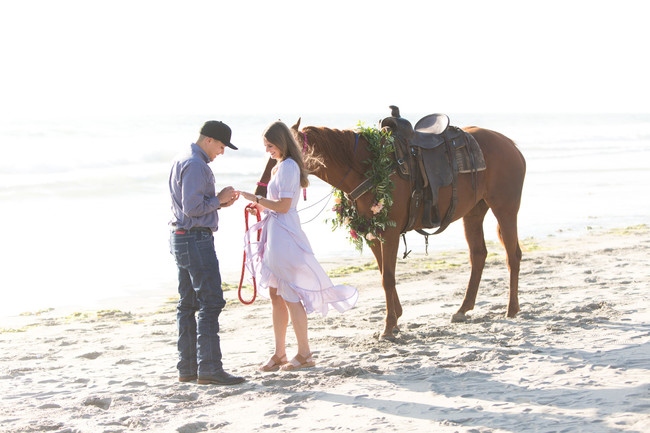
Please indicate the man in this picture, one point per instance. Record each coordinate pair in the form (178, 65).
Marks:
(195, 218)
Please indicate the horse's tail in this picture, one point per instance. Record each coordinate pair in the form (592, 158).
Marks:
(500, 235)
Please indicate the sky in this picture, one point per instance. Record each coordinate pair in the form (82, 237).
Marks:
(78, 58)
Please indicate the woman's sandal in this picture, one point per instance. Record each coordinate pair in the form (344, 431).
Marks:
(274, 363)
(299, 362)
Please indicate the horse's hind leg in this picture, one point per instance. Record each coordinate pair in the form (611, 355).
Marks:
(473, 224)
(507, 229)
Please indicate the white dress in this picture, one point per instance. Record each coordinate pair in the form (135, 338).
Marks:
(283, 257)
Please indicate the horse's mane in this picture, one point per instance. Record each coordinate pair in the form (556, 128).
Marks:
(334, 144)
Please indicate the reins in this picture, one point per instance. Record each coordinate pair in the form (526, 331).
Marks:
(243, 266)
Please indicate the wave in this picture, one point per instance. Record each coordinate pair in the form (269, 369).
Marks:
(135, 154)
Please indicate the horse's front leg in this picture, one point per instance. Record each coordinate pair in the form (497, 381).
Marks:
(388, 254)
(473, 224)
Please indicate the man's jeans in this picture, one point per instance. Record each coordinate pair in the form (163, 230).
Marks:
(199, 286)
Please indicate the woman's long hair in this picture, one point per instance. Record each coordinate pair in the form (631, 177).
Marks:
(280, 135)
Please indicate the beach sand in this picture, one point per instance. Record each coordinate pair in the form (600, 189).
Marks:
(575, 359)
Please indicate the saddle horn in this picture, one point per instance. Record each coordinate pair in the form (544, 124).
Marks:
(396, 123)
(389, 122)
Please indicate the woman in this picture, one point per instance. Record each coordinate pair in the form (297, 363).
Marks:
(282, 261)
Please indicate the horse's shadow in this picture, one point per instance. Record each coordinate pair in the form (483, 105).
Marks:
(444, 394)
(440, 394)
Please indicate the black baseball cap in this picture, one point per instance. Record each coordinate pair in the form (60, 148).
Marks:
(219, 131)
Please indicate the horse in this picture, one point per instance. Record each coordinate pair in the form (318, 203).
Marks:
(336, 157)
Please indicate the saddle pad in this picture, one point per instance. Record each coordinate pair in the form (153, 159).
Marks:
(468, 153)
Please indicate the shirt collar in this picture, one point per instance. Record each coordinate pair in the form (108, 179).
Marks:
(196, 149)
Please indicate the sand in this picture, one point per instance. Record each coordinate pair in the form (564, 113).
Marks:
(576, 358)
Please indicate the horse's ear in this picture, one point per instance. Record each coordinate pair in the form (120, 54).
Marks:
(297, 125)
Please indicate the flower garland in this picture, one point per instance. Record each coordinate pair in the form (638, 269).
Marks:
(380, 146)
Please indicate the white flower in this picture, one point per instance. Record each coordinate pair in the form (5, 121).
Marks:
(377, 207)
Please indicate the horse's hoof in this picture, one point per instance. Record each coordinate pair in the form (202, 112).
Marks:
(387, 335)
(512, 313)
(458, 317)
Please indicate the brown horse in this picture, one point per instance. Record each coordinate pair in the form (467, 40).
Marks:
(498, 187)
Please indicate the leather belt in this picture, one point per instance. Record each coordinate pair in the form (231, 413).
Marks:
(193, 229)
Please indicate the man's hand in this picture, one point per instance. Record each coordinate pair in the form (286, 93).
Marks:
(227, 196)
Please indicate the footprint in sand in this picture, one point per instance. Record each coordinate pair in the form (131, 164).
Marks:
(136, 383)
(125, 361)
(298, 397)
(199, 426)
(285, 412)
(90, 355)
(100, 402)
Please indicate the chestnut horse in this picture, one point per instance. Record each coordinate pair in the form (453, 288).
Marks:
(339, 157)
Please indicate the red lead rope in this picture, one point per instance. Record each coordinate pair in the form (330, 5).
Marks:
(243, 265)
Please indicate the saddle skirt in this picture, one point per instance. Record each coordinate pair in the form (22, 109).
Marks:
(431, 156)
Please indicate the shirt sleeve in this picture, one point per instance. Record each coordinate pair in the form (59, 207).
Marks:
(196, 198)
(288, 179)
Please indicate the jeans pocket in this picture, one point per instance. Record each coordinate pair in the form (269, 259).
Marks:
(181, 253)
(206, 253)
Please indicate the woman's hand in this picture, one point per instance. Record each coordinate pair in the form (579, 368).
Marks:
(255, 208)
(283, 205)
(252, 209)
(248, 196)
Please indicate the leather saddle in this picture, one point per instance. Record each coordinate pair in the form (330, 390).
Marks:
(429, 131)
(431, 156)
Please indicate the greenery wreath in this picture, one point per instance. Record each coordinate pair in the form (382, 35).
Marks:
(380, 167)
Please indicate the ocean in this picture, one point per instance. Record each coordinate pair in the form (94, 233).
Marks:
(85, 202)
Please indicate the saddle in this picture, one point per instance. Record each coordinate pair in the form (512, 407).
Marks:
(431, 156)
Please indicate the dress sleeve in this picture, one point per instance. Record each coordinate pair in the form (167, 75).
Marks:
(288, 179)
